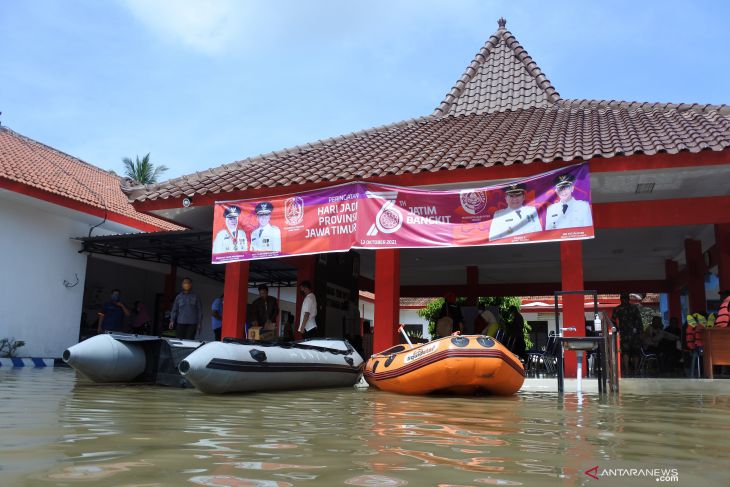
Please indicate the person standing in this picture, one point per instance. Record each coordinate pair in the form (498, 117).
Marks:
(265, 311)
(187, 312)
(630, 327)
(307, 323)
(568, 212)
(112, 314)
(516, 333)
(216, 320)
(517, 218)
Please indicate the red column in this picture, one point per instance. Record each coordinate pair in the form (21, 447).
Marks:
(306, 265)
(696, 276)
(722, 242)
(387, 298)
(571, 271)
(472, 283)
(671, 271)
(235, 300)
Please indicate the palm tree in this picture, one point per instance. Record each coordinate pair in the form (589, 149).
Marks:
(142, 171)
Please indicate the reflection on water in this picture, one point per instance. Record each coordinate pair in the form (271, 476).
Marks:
(60, 430)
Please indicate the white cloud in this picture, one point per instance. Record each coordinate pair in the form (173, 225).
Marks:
(207, 26)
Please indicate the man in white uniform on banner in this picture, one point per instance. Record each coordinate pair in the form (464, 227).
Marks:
(266, 237)
(517, 218)
(231, 238)
(568, 212)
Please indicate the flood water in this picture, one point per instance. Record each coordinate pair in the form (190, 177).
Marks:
(57, 429)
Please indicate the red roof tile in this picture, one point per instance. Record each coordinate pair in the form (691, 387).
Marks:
(502, 111)
(38, 166)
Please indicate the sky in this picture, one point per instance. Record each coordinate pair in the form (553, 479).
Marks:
(203, 83)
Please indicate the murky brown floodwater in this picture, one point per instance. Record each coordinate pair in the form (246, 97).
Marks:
(56, 429)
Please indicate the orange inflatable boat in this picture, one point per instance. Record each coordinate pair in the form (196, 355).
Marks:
(456, 364)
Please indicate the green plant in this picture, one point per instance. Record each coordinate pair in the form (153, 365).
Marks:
(415, 333)
(503, 303)
(142, 170)
(8, 346)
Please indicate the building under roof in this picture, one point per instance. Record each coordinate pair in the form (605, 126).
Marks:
(661, 220)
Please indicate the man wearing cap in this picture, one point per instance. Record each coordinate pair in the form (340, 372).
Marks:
(517, 218)
(568, 212)
(231, 238)
(266, 237)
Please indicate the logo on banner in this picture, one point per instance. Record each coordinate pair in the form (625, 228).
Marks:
(473, 202)
(389, 219)
(294, 211)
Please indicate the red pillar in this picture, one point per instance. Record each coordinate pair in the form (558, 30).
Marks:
(472, 283)
(696, 274)
(571, 271)
(387, 298)
(671, 271)
(306, 265)
(722, 242)
(235, 300)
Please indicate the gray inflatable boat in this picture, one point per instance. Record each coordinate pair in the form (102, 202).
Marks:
(121, 357)
(248, 366)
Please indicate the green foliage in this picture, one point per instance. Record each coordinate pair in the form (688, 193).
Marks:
(142, 171)
(647, 315)
(503, 303)
(8, 346)
(415, 333)
(431, 313)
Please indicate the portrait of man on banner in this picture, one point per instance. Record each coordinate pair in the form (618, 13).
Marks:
(517, 218)
(266, 237)
(232, 238)
(568, 212)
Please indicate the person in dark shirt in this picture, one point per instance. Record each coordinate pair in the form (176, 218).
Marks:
(628, 318)
(516, 333)
(112, 314)
(265, 311)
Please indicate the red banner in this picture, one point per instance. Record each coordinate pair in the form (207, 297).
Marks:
(553, 206)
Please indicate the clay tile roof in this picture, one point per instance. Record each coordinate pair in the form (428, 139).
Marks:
(501, 77)
(502, 111)
(32, 164)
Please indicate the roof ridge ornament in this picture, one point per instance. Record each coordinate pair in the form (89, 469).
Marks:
(502, 23)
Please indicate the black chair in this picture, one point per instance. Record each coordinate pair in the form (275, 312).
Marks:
(499, 335)
(647, 357)
(546, 357)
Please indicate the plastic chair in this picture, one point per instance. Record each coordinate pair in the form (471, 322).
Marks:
(537, 357)
(696, 363)
(499, 335)
(646, 357)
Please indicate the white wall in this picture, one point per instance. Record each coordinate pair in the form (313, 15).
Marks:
(406, 316)
(36, 256)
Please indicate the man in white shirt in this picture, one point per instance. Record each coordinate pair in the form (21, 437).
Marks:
(266, 237)
(307, 323)
(568, 212)
(231, 238)
(517, 218)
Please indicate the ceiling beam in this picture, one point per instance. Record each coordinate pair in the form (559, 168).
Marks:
(662, 213)
(533, 288)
